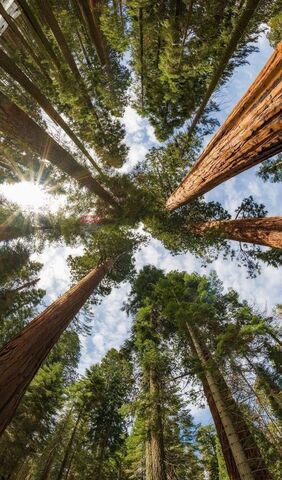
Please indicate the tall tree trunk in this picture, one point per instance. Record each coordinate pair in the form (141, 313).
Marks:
(236, 35)
(249, 135)
(13, 70)
(141, 43)
(21, 358)
(37, 30)
(58, 34)
(148, 458)
(15, 123)
(68, 450)
(260, 231)
(246, 454)
(89, 17)
(156, 428)
(23, 44)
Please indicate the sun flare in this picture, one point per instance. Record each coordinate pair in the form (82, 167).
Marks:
(28, 195)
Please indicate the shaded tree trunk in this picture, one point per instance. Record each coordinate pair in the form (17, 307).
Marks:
(249, 135)
(89, 17)
(13, 70)
(249, 462)
(260, 231)
(37, 30)
(21, 358)
(156, 442)
(68, 450)
(236, 35)
(15, 123)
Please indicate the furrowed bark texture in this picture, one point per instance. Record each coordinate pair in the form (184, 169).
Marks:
(248, 459)
(14, 71)
(251, 134)
(21, 358)
(15, 123)
(260, 231)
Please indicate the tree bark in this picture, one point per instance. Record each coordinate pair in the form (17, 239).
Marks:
(21, 358)
(15, 123)
(235, 38)
(39, 34)
(13, 70)
(246, 454)
(249, 135)
(260, 231)
(68, 450)
(156, 429)
(88, 15)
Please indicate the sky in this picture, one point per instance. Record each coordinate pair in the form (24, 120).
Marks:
(110, 325)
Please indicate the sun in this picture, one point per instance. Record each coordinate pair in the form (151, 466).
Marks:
(27, 195)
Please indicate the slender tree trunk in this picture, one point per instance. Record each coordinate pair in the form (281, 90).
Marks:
(12, 69)
(251, 134)
(156, 428)
(88, 15)
(21, 358)
(148, 458)
(15, 123)
(68, 450)
(236, 35)
(37, 30)
(249, 462)
(23, 44)
(260, 231)
(141, 43)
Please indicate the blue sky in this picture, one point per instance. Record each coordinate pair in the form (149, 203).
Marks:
(110, 325)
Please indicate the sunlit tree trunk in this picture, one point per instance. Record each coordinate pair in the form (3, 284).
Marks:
(16, 74)
(21, 358)
(15, 123)
(247, 457)
(260, 231)
(251, 134)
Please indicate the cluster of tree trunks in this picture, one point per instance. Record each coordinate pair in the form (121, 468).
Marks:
(251, 134)
(260, 231)
(15, 123)
(21, 358)
(242, 456)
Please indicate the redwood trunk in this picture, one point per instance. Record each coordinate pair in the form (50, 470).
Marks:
(248, 459)
(21, 358)
(260, 231)
(15, 123)
(251, 134)
(16, 74)
(156, 429)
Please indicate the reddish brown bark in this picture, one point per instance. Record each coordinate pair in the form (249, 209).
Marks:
(14, 71)
(251, 134)
(260, 231)
(15, 123)
(21, 358)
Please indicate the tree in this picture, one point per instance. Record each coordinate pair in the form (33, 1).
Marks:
(16, 123)
(236, 147)
(27, 350)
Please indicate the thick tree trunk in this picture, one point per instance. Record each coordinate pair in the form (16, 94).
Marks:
(236, 35)
(247, 457)
(68, 450)
(260, 231)
(12, 69)
(15, 123)
(156, 428)
(21, 358)
(251, 134)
